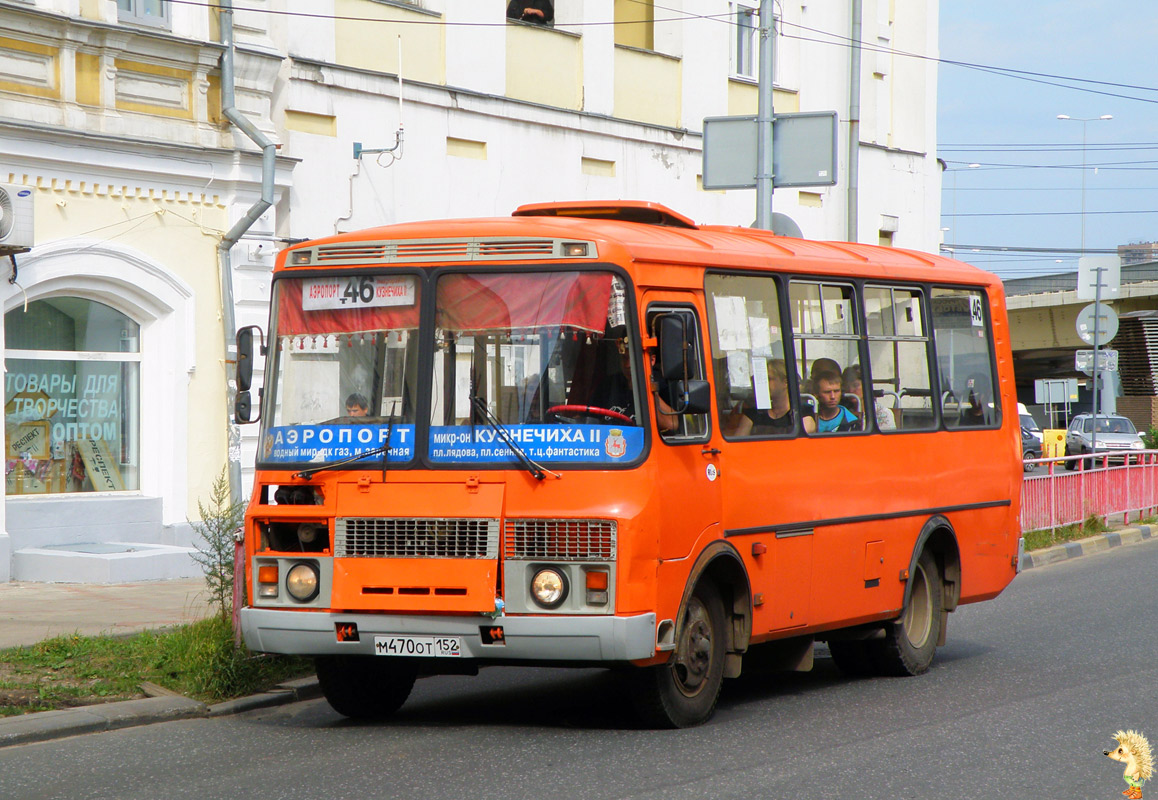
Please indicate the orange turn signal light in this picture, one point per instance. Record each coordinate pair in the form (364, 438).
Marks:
(597, 581)
(267, 574)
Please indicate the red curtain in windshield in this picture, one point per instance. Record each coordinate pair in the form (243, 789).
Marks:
(292, 319)
(526, 301)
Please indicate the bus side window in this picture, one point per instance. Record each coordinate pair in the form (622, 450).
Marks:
(826, 339)
(898, 358)
(754, 382)
(964, 344)
(665, 391)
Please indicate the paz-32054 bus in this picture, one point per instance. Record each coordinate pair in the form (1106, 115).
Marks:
(600, 434)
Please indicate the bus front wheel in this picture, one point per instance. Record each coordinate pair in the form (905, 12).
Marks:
(683, 692)
(365, 687)
(911, 641)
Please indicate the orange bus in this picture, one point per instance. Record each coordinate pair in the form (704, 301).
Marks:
(601, 434)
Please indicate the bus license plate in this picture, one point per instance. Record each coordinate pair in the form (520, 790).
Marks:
(420, 646)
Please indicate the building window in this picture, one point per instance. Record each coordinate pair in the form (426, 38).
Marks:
(635, 23)
(745, 51)
(71, 398)
(144, 12)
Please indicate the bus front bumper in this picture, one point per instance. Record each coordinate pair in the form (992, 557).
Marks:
(547, 638)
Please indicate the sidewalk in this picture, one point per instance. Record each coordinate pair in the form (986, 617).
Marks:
(33, 612)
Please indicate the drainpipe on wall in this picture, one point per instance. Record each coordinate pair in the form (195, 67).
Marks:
(852, 231)
(268, 156)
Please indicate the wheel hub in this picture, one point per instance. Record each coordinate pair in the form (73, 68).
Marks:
(694, 651)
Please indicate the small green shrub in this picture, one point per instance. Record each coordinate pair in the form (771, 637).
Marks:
(1150, 438)
(218, 522)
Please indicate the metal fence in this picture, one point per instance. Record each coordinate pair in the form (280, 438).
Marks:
(1054, 496)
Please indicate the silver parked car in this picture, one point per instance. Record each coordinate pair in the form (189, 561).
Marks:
(1116, 435)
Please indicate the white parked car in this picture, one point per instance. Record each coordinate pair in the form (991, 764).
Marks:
(1115, 435)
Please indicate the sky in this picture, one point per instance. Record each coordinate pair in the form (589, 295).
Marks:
(1091, 58)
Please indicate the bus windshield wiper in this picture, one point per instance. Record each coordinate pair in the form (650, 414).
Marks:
(374, 451)
(538, 470)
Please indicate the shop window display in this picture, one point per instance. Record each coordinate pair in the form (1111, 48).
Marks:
(71, 398)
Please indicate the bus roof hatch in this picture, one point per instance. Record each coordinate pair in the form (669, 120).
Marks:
(623, 210)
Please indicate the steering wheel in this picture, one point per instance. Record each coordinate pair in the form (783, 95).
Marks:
(591, 411)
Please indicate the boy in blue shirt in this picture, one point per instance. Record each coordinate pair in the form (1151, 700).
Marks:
(831, 416)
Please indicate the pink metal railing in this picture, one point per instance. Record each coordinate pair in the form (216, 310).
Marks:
(1060, 497)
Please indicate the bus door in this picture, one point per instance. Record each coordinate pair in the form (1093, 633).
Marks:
(687, 465)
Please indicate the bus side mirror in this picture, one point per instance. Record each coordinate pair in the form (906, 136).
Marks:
(242, 408)
(692, 397)
(245, 356)
(673, 344)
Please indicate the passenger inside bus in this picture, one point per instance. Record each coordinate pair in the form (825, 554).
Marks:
(614, 392)
(852, 386)
(778, 419)
(357, 405)
(831, 416)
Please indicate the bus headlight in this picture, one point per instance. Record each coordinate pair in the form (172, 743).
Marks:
(302, 582)
(549, 587)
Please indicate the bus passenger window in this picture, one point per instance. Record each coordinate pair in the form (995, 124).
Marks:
(827, 344)
(898, 358)
(964, 344)
(755, 393)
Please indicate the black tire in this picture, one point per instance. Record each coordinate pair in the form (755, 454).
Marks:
(911, 641)
(1070, 465)
(683, 692)
(365, 687)
(1026, 456)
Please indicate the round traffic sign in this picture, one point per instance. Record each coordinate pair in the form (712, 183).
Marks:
(1107, 323)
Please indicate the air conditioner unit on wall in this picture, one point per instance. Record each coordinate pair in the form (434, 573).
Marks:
(15, 218)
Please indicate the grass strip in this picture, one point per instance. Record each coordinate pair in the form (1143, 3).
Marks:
(197, 660)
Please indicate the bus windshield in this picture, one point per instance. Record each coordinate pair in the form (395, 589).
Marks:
(550, 356)
(342, 367)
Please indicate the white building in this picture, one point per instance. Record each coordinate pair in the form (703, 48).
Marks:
(111, 117)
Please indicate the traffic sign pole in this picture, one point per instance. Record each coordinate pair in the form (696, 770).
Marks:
(764, 114)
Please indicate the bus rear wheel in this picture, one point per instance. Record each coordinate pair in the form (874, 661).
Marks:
(911, 641)
(365, 687)
(683, 692)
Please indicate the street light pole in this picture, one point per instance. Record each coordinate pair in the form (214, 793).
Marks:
(1097, 273)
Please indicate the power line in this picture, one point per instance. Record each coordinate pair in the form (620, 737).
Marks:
(1048, 213)
(729, 19)
(442, 22)
(990, 248)
(1048, 189)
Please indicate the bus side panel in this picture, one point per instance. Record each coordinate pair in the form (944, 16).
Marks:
(829, 556)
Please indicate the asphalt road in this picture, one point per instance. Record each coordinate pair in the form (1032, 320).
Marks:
(1020, 703)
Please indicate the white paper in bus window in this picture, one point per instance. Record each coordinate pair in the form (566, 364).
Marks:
(760, 383)
(760, 336)
(976, 315)
(732, 323)
(739, 369)
(462, 386)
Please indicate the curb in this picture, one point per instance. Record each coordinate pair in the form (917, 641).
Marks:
(1085, 547)
(46, 725)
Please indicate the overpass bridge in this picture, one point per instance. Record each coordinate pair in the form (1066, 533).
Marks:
(1042, 317)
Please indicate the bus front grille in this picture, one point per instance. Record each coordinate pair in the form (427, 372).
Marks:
(413, 537)
(561, 539)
